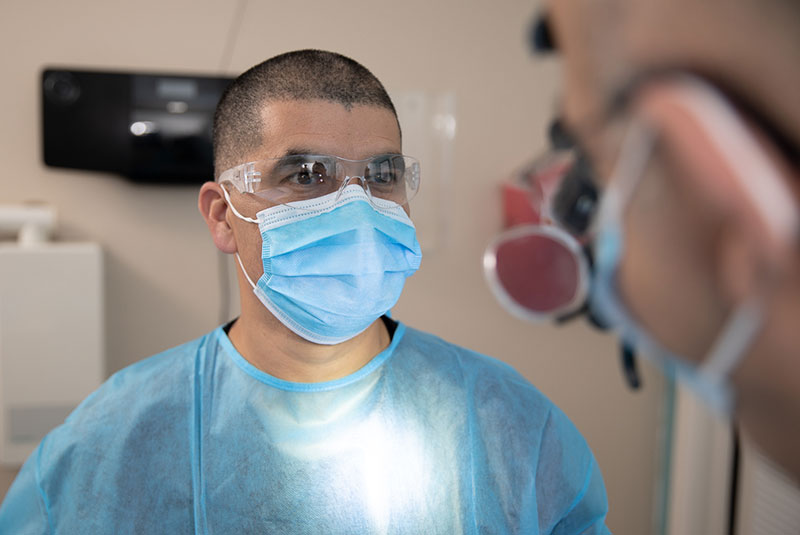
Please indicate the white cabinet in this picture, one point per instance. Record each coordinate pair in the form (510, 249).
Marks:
(51, 338)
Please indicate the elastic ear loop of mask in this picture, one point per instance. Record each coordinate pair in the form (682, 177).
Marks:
(235, 211)
(772, 201)
(740, 329)
(243, 218)
(635, 153)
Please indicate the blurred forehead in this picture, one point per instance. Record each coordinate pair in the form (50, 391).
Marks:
(604, 42)
(589, 39)
(324, 127)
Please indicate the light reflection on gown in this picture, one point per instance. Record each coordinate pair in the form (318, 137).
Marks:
(426, 438)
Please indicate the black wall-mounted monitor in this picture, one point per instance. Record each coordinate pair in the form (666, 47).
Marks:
(153, 128)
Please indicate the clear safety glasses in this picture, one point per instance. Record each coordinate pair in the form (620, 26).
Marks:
(300, 177)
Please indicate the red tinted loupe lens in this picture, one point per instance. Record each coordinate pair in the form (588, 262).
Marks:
(537, 271)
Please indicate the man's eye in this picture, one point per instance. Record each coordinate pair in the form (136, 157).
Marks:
(385, 178)
(305, 178)
(384, 173)
(309, 175)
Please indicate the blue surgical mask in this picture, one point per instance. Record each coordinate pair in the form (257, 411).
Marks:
(333, 264)
(710, 380)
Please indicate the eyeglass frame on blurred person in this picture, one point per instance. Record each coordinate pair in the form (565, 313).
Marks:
(555, 235)
(247, 176)
(573, 237)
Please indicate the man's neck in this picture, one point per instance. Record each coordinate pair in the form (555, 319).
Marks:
(269, 346)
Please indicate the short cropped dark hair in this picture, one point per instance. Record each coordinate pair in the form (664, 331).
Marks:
(299, 75)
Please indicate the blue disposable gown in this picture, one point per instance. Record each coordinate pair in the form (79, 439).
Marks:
(427, 438)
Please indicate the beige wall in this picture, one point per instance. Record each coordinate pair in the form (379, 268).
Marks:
(161, 268)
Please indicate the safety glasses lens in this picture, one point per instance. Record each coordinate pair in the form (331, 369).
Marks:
(300, 177)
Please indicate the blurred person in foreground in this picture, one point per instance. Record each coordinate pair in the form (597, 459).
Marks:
(685, 119)
(313, 411)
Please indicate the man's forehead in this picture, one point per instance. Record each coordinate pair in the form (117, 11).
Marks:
(327, 127)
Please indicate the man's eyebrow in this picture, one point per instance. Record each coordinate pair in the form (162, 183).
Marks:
(541, 36)
(291, 153)
(298, 151)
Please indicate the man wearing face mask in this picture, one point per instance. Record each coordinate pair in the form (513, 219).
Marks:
(313, 411)
(686, 114)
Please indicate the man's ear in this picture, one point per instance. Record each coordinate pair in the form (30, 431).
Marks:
(214, 209)
(724, 165)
